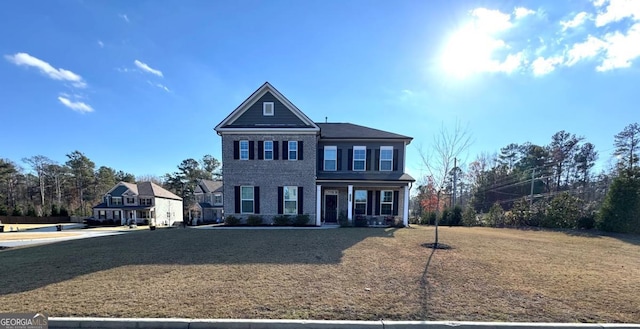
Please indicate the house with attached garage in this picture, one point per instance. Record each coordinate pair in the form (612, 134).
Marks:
(138, 203)
(277, 161)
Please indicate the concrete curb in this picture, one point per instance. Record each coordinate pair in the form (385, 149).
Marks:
(176, 323)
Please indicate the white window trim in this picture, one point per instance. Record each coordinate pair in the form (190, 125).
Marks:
(324, 166)
(284, 200)
(289, 150)
(383, 202)
(356, 202)
(240, 146)
(264, 109)
(353, 165)
(113, 199)
(253, 200)
(380, 164)
(264, 151)
(214, 198)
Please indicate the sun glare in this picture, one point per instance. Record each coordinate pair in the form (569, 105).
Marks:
(468, 51)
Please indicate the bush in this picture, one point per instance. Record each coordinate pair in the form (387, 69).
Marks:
(495, 217)
(301, 220)
(31, 211)
(620, 211)
(360, 221)
(456, 216)
(254, 220)
(3, 210)
(231, 220)
(343, 220)
(54, 210)
(563, 211)
(16, 211)
(64, 212)
(519, 214)
(445, 218)
(282, 220)
(587, 222)
(469, 217)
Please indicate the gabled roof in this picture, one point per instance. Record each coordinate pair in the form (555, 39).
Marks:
(142, 189)
(352, 131)
(210, 186)
(226, 124)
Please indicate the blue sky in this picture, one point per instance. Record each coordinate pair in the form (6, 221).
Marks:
(139, 85)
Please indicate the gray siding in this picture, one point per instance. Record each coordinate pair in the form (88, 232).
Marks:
(282, 117)
(268, 175)
(373, 148)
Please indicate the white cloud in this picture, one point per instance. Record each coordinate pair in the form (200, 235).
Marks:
(101, 44)
(147, 69)
(509, 65)
(521, 12)
(584, 50)
(575, 22)
(76, 106)
(617, 10)
(124, 17)
(25, 59)
(542, 66)
(621, 49)
(163, 87)
(491, 21)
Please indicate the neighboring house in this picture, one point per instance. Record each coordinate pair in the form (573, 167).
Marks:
(209, 201)
(278, 161)
(134, 203)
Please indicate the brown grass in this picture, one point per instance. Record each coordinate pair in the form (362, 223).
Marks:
(364, 274)
(31, 236)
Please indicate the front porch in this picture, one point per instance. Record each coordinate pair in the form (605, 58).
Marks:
(379, 204)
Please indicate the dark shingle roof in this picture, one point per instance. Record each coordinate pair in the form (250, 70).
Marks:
(119, 190)
(352, 131)
(151, 189)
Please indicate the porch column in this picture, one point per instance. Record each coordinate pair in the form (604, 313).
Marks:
(318, 205)
(405, 208)
(350, 204)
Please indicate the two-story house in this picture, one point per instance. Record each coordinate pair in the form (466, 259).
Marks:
(129, 203)
(277, 161)
(208, 206)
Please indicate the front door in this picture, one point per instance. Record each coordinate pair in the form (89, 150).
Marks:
(331, 208)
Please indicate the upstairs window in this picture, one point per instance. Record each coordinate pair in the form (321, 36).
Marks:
(130, 200)
(116, 201)
(244, 150)
(268, 150)
(293, 150)
(359, 158)
(217, 198)
(330, 158)
(267, 109)
(386, 158)
(145, 202)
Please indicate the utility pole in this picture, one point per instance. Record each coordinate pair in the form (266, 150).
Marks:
(455, 178)
(533, 174)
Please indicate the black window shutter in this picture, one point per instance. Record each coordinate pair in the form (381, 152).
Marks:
(320, 159)
(376, 165)
(395, 160)
(369, 202)
(280, 199)
(350, 158)
(275, 150)
(237, 198)
(300, 150)
(396, 198)
(339, 159)
(368, 160)
(256, 199)
(260, 150)
(377, 203)
(285, 150)
(236, 150)
(251, 153)
(300, 198)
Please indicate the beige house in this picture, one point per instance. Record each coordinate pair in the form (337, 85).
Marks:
(143, 202)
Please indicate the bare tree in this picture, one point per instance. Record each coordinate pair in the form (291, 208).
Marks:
(39, 164)
(447, 146)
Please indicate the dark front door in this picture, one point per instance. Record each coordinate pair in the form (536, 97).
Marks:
(331, 208)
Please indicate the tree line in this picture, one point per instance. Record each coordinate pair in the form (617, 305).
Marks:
(39, 186)
(552, 185)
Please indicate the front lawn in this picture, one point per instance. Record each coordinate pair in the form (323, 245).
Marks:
(348, 273)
